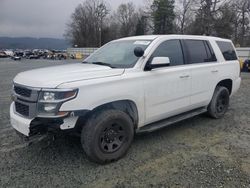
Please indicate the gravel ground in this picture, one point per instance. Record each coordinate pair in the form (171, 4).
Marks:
(199, 152)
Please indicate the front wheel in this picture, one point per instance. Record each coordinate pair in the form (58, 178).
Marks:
(107, 136)
(219, 103)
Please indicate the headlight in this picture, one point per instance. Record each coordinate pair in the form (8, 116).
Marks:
(48, 96)
(57, 96)
(50, 102)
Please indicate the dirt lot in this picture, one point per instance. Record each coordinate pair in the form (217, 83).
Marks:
(199, 152)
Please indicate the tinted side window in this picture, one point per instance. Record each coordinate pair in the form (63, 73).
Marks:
(199, 51)
(171, 49)
(227, 50)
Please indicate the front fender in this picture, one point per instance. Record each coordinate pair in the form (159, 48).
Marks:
(92, 95)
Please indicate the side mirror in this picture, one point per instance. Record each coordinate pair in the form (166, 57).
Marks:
(139, 52)
(158, 62)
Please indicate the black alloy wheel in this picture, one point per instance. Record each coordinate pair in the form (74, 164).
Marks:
(219, 103)
(107, 135)
(112, 137)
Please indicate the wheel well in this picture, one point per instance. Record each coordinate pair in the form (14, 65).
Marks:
(127, 106)
(227, 83)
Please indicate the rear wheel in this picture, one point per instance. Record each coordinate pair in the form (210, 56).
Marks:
(219, 103)
(107, 136)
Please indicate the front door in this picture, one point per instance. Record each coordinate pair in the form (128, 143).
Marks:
(167, 89)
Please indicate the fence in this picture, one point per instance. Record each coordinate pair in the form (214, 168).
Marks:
(243, 53)
(80, 53)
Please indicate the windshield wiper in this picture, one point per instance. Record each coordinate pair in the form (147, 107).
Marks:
(104, 64)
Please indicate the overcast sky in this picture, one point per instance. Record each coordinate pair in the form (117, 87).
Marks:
(40, 18)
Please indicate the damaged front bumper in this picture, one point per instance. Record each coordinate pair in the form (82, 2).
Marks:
(40, 126)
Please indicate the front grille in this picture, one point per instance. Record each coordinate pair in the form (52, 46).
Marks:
(22, 91)
(22, 109)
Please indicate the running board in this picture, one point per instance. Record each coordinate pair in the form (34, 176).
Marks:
(169, 121)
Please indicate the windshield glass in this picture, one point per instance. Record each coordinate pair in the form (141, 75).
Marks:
(118, 54)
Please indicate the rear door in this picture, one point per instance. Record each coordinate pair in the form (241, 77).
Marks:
(204, 70)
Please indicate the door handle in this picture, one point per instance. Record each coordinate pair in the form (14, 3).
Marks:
(184, 76)
(214, 71)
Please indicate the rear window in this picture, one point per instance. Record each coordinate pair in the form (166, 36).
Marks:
(227, 50)
(199, 51)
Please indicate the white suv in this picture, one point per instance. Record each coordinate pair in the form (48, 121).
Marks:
(131, 85)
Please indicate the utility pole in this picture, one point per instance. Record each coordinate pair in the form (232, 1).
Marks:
(100, 33)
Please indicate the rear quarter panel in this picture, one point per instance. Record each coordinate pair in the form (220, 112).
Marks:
(227, 69)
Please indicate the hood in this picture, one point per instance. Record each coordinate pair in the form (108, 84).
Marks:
(51, 77)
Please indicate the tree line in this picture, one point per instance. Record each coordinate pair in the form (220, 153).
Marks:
(94, 23)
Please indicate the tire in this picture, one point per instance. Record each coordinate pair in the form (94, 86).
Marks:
(219, 103)
(107, 136)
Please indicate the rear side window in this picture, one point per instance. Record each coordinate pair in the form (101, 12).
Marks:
(199, 51)
(227, 50)
(171, 49)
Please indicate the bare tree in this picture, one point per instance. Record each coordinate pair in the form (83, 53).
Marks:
(92, 24)
(126, 16)
(209, 10)
(101, 12)
(184, 14)
(224, 22)
(85, 27)
(142, 22)
(242, 8)
(206, 12)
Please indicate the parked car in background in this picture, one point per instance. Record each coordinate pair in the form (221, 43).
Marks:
(27, 53)
(15, 57)
(61, 56)
(9, 52)
(3, 54)
(19, 53)
(33, 56)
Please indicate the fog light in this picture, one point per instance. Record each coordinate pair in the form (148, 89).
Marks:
(49, 107)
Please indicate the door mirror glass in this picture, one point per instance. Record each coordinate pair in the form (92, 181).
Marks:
(139, 52)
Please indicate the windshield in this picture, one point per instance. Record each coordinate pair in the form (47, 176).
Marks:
(118, 54)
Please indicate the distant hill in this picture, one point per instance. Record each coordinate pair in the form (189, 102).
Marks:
(32, 43)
